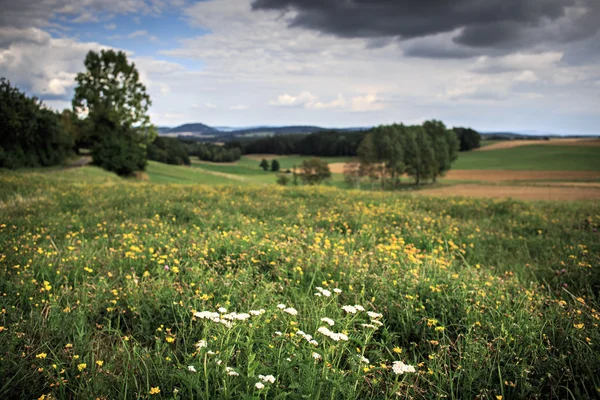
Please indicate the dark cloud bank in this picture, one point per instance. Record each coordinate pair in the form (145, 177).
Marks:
(479, 25)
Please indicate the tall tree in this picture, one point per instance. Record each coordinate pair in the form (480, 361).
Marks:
(110, 93)
(419, 154)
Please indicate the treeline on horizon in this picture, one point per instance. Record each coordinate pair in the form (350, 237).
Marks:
(331, 143)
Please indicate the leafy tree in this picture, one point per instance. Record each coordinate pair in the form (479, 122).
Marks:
(419, 154)
(116, 103)
(444, 145)
(30, 134)
(274, 165)
(264, 164)
(469, 138)
(314, 171)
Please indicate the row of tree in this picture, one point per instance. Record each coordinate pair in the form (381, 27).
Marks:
(212, 152)
(330, 143)
(30, 134)
(389, 151)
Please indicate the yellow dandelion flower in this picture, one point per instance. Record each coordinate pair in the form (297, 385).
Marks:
(155, 390)
(170, 339)
(579, 326)
(81, 366)
(41, 356)
(397, 350)
(99, 363)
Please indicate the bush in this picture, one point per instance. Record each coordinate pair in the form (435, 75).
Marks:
(469, 138)
(274, 165)
(283, 179)
(314, 171)
(30, 135)
(264, 164)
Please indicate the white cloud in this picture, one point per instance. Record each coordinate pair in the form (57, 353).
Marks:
(369, 102)
(302, 100)
(239, 107)
(527, 76)
(110, 27)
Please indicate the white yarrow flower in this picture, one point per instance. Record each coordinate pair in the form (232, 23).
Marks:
(201, 344)
(316, 356)
(281, 306)
(365, 360)
(338, 291)
(359, 307)
(374, 315)
(222, 310)
(400, 368)
(191, 368)
(291, 311)
(349, 309)
(259, 385)
(267, 378)
(328, 321)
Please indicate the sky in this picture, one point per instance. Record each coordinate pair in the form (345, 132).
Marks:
(494, 65)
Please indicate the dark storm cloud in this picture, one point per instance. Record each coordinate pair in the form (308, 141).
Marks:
(483, 24)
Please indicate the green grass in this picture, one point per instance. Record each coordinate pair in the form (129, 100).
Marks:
(533, 157)
(164, 173)
(101, 283)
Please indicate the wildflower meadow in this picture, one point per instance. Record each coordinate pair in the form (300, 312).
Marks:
(139, 290)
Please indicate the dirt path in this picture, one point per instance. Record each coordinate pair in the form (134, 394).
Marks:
(517, 192)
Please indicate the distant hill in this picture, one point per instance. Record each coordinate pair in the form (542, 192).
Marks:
(204, 132)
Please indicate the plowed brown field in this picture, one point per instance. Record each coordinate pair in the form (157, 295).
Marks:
(516, 192)
(553, 142)
(502, 175)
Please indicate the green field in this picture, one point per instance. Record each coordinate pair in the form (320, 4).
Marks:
(533, 157)
(107, 285)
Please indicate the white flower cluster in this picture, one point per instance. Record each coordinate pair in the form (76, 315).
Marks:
(335, 336)
(325, 292)
(226, 319)
(289, 310)
(307, 337)
(231, 372)
(353, 309)
(400, 368)
(266, 379)
(328, 321)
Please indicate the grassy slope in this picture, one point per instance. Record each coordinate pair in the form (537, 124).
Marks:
(465, 282)
(164, 173)
(533, 157)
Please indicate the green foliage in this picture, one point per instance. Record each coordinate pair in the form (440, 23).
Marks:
(283, 179)
(30, 135)
(314, 171)
(111, 83)
(469, 138)
(168, 151)
(117, 148)
(275, 166)
(213, 153)
(264, 164)
(117, 124)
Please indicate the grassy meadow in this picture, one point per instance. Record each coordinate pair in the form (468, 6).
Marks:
(113, 288)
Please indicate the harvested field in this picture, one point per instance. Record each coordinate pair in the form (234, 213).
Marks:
(517, 192)
(502, 175)
(593, 142)
(265, 156)
(507, 175)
